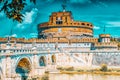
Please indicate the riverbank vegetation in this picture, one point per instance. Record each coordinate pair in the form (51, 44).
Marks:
(42, 77)
(45, 77)
(103, 69)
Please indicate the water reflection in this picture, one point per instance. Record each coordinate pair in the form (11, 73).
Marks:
(82, 77)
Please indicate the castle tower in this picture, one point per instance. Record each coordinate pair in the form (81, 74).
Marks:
(62, 25)
(104, 38)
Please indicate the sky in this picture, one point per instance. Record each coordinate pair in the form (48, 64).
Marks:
(99, 12)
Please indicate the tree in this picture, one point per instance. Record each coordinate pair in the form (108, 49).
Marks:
(13, 8)
(104, 68)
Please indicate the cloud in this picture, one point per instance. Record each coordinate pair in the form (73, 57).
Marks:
(79, 1)
(33, 35)
(48, 0)
(28, 25)
(29, 17)
(101, 4)
(14, 35)
(96, 27)
(2, 14)
(6, 36)
(114, 24)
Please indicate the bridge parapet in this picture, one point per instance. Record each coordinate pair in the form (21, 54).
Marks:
(96, 51)
(22, 52)
(47, 50)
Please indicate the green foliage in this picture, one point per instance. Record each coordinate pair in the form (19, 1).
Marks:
(80, 70)
(114, 40)
(69, 69)
(60, 68)
(46, 71)
(45, 77)
(104, 68)
(119, 44)
(13, 8)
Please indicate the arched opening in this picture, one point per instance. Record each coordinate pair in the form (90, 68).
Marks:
(42, 61)
(0, 77)
(1, 74)
(53, 59)
(23, 68)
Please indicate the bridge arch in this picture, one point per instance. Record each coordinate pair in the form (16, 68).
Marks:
(42, 61)
(53, 58)
(23, 68)
(1, 74)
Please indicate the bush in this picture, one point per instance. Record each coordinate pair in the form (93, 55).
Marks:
(104, 68)
(69, 69)
(80, 70)
(45, 77)
(60, 68)
(46, 71)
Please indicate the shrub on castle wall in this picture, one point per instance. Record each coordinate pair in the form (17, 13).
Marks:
(60, 68)
(104, 68)
(69, 69)
(45, 77)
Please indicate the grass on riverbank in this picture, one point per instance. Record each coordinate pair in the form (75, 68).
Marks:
(101, 70)
(41, 77)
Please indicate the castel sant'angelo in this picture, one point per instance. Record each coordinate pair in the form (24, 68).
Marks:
(61, 25)
(62, 28)
(61, 41)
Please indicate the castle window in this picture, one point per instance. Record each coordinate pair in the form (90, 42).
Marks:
(58, 18)
(83, 23)
(59, 30)
(52, 19)
(65, 19)
(4, 50)
(59, 22)
(87, 44)
(87, 24)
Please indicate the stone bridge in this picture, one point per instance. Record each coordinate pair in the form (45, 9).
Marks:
(21, 65)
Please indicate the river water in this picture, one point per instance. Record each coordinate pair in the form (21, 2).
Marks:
(83, 77)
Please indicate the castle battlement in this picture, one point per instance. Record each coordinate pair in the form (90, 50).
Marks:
(104, 45)
(53, 40)
(61, 24)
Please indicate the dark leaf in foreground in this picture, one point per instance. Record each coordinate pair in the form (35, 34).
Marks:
(13, 9)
